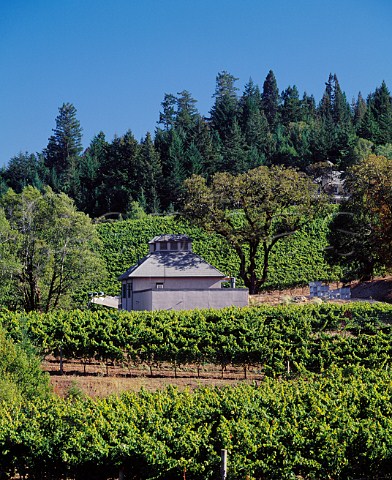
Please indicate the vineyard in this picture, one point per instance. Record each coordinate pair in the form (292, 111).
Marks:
(272, 339)
(294, 261)
(321, 410)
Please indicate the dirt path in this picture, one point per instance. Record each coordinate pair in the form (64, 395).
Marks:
(98, 382)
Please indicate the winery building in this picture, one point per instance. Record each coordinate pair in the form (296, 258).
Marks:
(172, 277)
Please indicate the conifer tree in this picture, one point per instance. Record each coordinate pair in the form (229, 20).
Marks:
(270, 99)
(64, 144)
(186, 114)
(151, 173)
(290, 110)
(308, 108)
(120, 175)
(254, 124)
(167, 116)
(225, 108)
(381, 107)
(90, 175)
(235, 151)
(359, 111)
(22, 170)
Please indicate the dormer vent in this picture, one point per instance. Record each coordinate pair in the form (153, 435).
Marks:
(170, 243)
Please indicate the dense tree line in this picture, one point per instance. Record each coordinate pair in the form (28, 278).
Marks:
(261, 126)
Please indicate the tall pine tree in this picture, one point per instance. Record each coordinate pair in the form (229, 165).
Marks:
(225, 109)
(270, 99)
(65, 144)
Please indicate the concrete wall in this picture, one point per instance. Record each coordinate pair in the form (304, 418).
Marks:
(142, 300)
(164, 299)
(176, 283)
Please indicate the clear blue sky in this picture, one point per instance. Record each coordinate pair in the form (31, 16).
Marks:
(115, 59)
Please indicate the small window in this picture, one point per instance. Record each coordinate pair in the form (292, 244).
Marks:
(173, 245)
(124, 290)
(159, 285)
(129, 286)
(163, 245)
(184, 245)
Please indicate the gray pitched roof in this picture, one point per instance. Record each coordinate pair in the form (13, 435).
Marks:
(172, 264)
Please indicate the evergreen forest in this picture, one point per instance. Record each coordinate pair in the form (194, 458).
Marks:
(263, 125)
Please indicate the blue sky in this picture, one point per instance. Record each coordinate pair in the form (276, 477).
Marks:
(115, 59)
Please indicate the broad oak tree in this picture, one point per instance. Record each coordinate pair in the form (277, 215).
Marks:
(252, 211)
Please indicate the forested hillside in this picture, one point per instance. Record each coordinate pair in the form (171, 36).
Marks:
(261, 125)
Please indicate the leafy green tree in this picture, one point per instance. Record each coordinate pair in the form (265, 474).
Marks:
(54, 246)
(362, 234)
(252, 211)
(21, 376)
(384, 150)
(362, 149)
(9, 265)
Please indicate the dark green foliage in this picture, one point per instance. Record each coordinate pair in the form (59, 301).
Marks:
(263, 126)
(23, 170)
(91, 167)
(225, 108)
(376, 123)
(270, 99)
(290, 110)
(63, 150)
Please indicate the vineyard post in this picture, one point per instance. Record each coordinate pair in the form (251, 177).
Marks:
(223, 469)
(61, 360)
